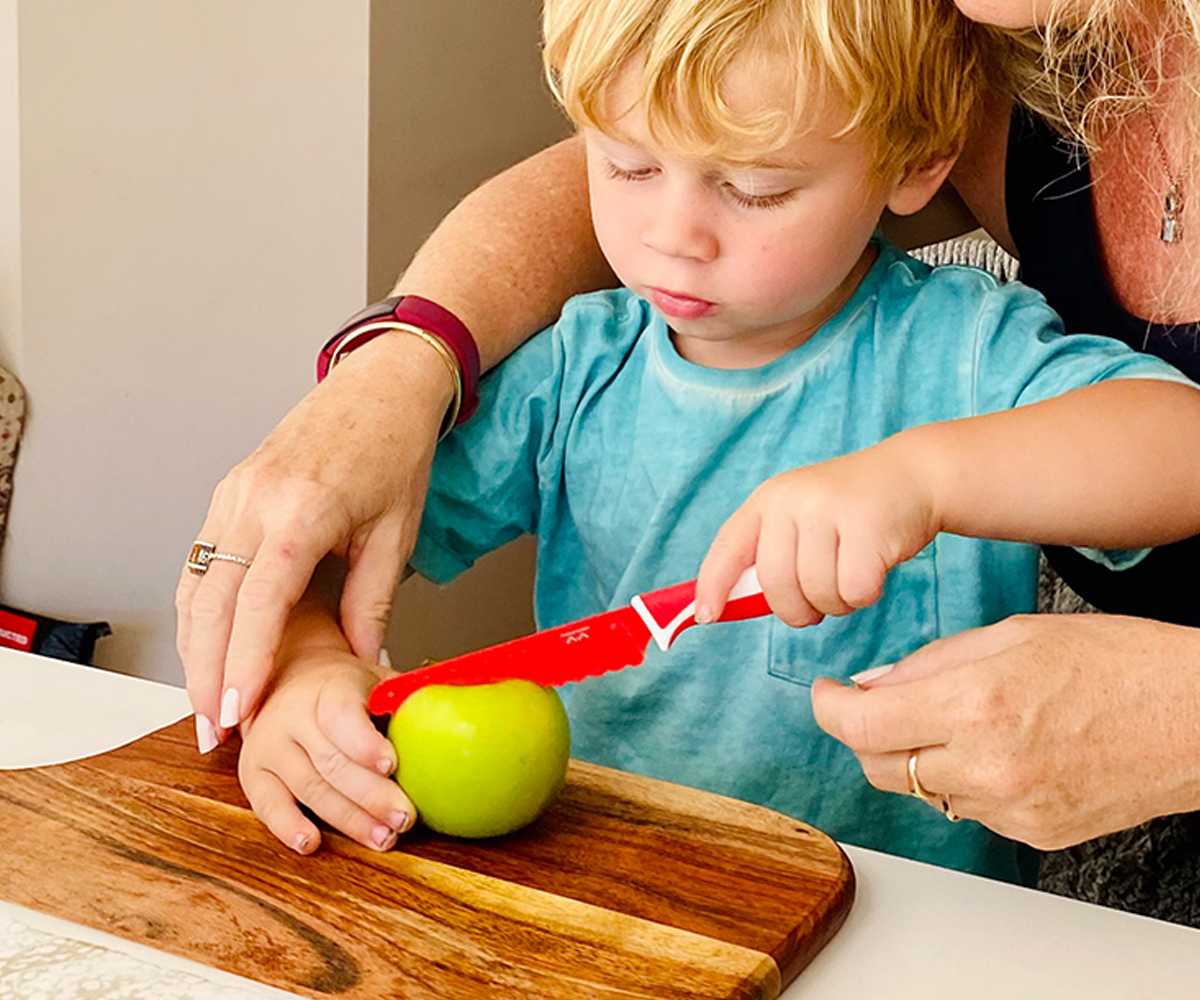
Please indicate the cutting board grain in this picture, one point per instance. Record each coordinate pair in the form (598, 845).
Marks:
(627, 888)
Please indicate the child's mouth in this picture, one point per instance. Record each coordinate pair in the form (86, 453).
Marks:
(679, 306)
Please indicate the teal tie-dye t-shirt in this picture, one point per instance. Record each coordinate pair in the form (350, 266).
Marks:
(624, 459)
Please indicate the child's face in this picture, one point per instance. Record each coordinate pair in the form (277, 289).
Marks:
(745, 263)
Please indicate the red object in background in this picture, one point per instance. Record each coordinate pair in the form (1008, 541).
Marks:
(16, 631)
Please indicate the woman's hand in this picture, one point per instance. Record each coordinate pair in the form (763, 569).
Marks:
(824, 537)
(345, 472)
(1049, 729)
(312, 742)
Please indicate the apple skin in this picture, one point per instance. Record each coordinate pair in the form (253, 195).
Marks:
(481, 760)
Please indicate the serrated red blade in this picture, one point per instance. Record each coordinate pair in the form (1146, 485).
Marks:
(571, 652)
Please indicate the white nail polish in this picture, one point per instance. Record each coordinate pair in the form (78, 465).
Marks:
(230, 709)
(384, 659)
(206, 734)
(866, 676)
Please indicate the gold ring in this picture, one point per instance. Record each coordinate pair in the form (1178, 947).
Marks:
(197, 560)
(205, 553)
(915, 788)
(948, 810)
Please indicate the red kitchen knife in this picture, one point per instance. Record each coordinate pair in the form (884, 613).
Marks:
(580, 649)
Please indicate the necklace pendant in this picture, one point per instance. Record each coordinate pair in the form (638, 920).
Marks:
(1171, 230)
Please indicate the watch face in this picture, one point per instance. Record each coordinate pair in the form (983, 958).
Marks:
(376, 310)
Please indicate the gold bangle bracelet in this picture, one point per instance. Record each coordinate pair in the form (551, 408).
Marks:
(392, 326)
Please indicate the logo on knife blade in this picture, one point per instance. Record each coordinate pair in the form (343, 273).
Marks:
(576, 634)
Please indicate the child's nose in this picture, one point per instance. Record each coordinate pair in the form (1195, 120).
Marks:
(680, 225)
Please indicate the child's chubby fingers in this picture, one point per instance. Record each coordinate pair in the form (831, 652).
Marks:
(363, 788)
(731, 553)
(861, 572)
(274, 804)
(817, 569)
(343, 720)
(348, 803)
(776, 566)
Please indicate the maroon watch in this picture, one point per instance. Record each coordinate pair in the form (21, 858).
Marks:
(425, 315)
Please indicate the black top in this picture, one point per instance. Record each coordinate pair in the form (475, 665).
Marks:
(1049, 206)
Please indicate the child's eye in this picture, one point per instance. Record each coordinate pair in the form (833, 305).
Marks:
(623, 174)
(740, 197)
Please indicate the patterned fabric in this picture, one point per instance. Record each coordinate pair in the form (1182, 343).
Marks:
(35, 965)
(12, 422)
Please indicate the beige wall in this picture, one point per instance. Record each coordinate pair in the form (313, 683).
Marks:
(456, 95)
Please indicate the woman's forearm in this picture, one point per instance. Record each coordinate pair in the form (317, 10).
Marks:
(513, 251)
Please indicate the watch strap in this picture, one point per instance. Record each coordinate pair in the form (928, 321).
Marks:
(414, 311)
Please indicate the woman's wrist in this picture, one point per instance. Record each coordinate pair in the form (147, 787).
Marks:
(399, 374)
(434, 325)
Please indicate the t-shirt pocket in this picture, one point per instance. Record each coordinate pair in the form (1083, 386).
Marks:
(900, 622)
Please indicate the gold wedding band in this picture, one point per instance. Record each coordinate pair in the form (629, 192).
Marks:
(915, 788)
(919, 791)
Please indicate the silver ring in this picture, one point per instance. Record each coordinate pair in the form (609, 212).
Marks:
(204, 553)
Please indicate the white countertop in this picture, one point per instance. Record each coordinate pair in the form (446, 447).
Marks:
(915, 931)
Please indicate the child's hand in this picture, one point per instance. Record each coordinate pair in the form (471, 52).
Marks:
(823, 537)
(313, 742)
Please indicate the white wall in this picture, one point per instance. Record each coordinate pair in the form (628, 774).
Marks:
(10, 185)
(192, 224)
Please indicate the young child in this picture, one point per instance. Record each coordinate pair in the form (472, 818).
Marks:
(740, 155)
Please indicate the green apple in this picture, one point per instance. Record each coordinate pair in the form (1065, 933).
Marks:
(481, 760)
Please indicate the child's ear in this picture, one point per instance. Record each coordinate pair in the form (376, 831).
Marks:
(920, 183)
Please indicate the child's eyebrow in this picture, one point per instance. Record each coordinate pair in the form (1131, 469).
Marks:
(790, 166)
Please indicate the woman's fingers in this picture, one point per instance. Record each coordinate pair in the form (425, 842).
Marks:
(956, 651)
(255, 620)
(376, 567)
(886, 719)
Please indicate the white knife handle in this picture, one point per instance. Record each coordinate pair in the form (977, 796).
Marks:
(669, 611)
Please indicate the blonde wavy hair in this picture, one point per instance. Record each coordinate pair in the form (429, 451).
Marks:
(1092, 63)
(909, 71)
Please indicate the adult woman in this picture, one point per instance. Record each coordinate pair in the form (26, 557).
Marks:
(1051, 730)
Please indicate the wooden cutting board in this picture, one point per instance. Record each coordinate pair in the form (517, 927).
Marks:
(626, 888)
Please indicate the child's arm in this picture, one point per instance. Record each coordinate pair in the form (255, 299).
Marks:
(1114, 465)
(312, 741)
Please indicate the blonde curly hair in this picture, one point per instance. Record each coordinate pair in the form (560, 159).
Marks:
(909, 71)
(1091, 64)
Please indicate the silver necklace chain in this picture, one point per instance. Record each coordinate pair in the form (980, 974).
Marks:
(1171, 228)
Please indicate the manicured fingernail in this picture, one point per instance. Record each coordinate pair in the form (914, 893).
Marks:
(230, 708)
(398, 820)
(866, 676)
(206, 734)
(384, 659)
(383, 837)
(704, 614)
(302, 843)
(385, 765)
